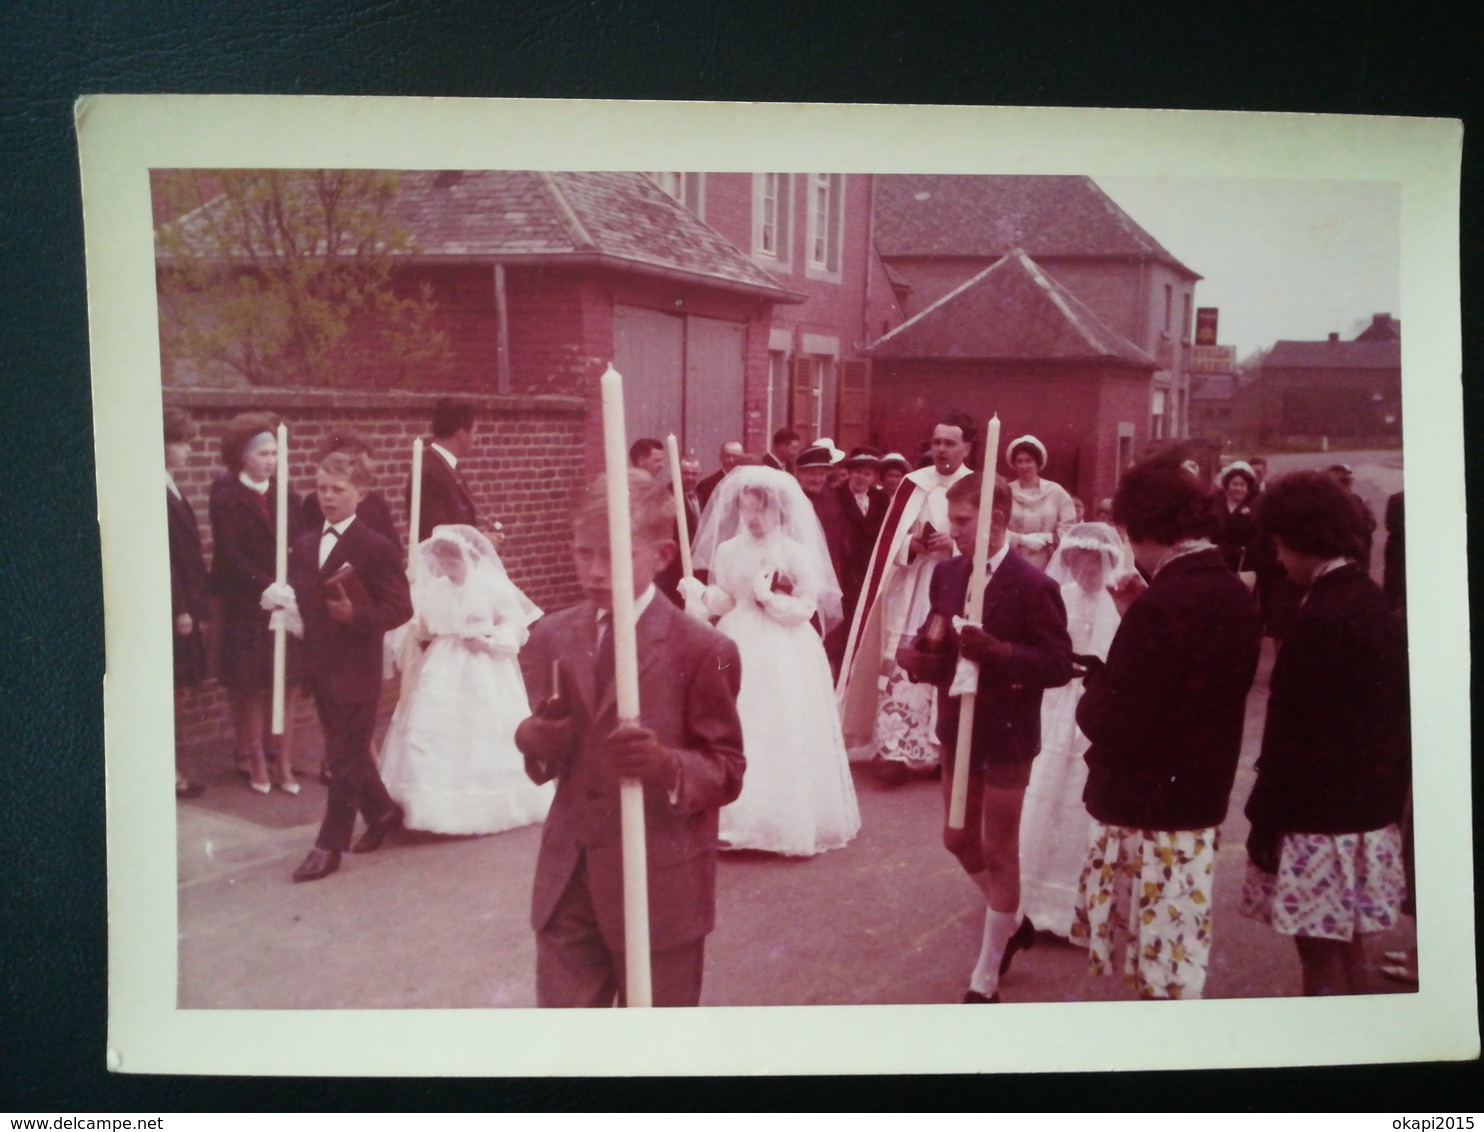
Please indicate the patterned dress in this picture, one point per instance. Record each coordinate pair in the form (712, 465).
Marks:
(1147, 893)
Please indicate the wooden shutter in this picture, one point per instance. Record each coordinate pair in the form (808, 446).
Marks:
(855, 402)
(805, 398)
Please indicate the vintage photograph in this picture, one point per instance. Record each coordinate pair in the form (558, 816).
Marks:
(564, 557)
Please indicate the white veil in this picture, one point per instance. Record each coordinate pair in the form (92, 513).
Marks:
(796, 520)
(1091, 614)
(484, 598)
(1100, 538)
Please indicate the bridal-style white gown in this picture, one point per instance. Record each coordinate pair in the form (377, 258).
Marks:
(797, 795)
(449, 758)
(1055, 826)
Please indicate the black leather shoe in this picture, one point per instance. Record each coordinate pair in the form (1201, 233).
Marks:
(319, 864)
(1023, 940)
(376, 832)
(974, 998)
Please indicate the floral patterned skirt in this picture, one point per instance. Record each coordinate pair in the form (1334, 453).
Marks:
(1330, 885)
(905, 721)
(1147, 892)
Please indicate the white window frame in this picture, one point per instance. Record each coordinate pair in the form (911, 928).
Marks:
(824, 207)
(777, 189)
(688, 189)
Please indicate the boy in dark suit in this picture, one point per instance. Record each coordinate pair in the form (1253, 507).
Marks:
(1021, 647)
(342, 653)
(687, 751)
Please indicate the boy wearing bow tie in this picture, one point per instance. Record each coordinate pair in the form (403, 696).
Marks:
(343, 624)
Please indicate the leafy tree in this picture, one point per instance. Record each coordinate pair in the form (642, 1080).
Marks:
(284, 278)
(1250, 366)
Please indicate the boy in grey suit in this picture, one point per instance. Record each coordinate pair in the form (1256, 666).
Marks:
(687, 750)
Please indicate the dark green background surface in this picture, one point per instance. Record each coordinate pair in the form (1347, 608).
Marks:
(1384, 58)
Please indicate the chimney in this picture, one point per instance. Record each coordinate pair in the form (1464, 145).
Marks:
(1334, 336)
(1381, 319)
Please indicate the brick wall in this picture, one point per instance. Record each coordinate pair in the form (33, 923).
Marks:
(528, 453)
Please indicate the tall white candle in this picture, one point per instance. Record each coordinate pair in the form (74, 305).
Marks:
(958, 797)
(626, 689)
(281, 576)
(408, 657)
(681, 525)
(415, 509)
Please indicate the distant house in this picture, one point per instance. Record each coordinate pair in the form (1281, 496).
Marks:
(1345, 390)
(1211, 397)
(1014, 341)
(935, 231)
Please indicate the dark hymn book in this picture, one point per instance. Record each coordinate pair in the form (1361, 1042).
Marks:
(350, 585)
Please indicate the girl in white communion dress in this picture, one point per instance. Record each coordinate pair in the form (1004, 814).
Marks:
(770, 574)
(450, 758)
(1054, 824)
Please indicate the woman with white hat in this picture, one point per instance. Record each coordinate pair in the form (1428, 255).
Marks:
(1041, 511)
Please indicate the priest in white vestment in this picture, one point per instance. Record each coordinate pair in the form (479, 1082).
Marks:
(883, 715)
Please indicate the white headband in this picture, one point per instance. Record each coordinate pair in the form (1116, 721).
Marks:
(257, 441)
(1026, 439)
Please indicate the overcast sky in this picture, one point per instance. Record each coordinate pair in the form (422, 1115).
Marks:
(1281, 259)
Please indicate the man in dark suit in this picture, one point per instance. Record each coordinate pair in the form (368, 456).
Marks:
(863, 504)
(445, 495)
(785, 450)
(343, 625)
(731, 452)
(1021, 647)
(686, 748)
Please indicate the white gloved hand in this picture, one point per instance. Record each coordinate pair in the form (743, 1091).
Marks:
(690, 589)
(762, 587)
(965, 677)
(280, 599)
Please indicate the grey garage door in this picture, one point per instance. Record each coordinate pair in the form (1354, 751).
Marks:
(682, 374)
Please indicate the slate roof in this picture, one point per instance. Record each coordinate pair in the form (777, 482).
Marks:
(1287, 354)
(940, 214)
(623, 220)
(1012, 310)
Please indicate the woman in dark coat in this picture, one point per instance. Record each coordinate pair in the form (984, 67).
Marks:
(243, 528)
(1236, 533)
(1164, 720)
(190, 599)
(1325, 852)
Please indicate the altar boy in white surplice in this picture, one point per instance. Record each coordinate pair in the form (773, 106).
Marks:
(884, 716)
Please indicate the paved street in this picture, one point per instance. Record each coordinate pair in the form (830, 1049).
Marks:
(442, 922)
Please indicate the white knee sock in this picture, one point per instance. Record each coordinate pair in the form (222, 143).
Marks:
(998, 928)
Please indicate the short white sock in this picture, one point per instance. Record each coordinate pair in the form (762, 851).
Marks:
(998, 928)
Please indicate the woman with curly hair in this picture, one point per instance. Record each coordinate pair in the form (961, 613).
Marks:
(1164, 719)
(243, 525)
(1325, 851)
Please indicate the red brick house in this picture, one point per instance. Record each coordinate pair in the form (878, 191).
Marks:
(812, 234)
(934, 231)
(1346, 390)
(540, 279)
(1014, 341)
